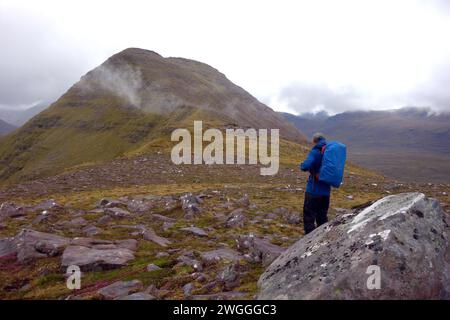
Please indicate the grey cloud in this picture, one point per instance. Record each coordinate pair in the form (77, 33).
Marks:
(36, 63)
(303, 97)
(306, 98)
(435, 93)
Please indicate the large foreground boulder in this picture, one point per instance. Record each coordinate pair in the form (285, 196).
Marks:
(96, 255)
(398, 248)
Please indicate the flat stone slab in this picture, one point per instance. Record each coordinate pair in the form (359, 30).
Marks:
(195, 231)
(30, 245)
(223, 254)
(137, 296)
(120, 289)
(90, 259)
(97, 254)
(150, 235)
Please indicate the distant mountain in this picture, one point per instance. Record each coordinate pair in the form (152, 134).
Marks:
(18, 117)
(5, 127)
(411, 144)
(132, 99)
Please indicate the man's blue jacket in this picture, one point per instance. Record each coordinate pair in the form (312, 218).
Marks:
(312, 164)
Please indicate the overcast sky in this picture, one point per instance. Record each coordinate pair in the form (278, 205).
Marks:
(296, 56)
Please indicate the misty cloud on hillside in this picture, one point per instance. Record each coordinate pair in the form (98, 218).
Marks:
(124, 81)
(309, 98)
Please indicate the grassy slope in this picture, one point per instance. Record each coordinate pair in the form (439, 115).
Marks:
(62, 137)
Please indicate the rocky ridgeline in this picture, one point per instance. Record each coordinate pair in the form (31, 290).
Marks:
(407, 236)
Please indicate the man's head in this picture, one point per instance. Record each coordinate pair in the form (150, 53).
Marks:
(317, 137)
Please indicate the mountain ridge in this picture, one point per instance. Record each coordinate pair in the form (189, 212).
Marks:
(133, 98)
(408, 143)
(6, 127)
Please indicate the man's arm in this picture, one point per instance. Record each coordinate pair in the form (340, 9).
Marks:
(308, 163)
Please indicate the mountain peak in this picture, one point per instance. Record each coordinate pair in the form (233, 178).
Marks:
(134, 97)
(133, 52)
(144, 79)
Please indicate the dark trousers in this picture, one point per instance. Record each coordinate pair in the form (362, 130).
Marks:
(315, 211)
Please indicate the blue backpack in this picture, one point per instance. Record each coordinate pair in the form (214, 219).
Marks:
(333, 163)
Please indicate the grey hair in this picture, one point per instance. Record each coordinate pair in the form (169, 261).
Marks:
(318, 136)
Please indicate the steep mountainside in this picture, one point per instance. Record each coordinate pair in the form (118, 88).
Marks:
(5, 127)
(133, 99)
(409, 144)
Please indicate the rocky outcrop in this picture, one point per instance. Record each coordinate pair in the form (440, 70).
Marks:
(401, 240)
(11, 210)
(236, 219)
(150, 235)
(222, 254)
(30, 245)
(195, 231)
(190, 205)
(120, 289)
(258, 250)
(93, 255)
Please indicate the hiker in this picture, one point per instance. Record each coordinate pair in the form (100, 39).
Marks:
(326, 164)
(317, 195)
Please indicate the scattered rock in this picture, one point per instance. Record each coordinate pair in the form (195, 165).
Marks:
(30, 245)
(407, 236)
(285, 214)
(195, 231)
(95, 255)
(259, 250)
(120, 289)
(91, 230)
(189, 204)
(163, 218)
(110, 203)
(167, 225)
(223, 254)
(190, 261)
(137, 296)
(104, 220)
(220, 296)
(117, 212)
(187, 290)
(162, 254)
(7, 247)
(229, 277)
(243, 202)
(150, 235)
(11, 210)
(153, 267)
(40, 218)
(293, 218)
(76, 222)
(46, 205)
(139, 206)
(236, 219)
